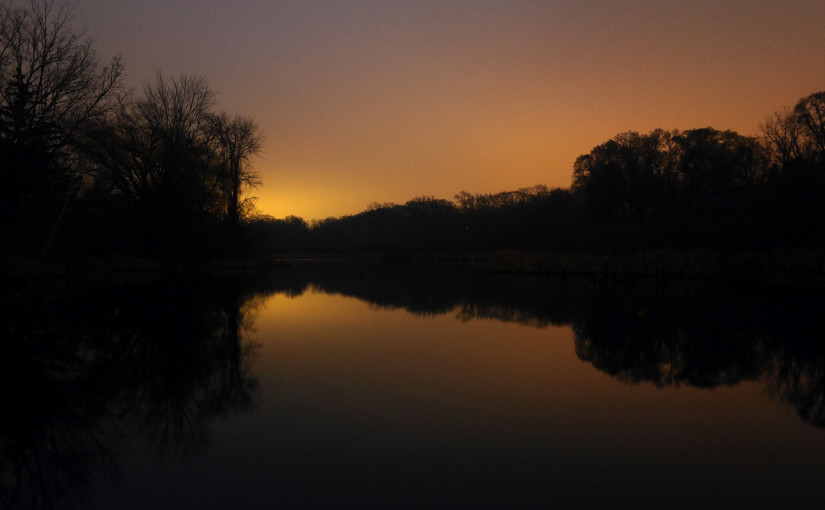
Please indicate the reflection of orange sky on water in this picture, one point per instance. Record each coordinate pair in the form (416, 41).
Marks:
(341, 358)
(382, 101)
(351, 399)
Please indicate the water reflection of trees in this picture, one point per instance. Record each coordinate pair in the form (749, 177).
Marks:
(798, 378)
(666, 334)
(78, 372)
(670, 337)
(707, 336)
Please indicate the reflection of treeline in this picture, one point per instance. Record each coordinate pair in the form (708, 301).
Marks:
(81, 371)
(89, 168)
(699, 188)
(710, 336)
(700, 334)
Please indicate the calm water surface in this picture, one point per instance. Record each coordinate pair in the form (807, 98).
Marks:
(353, 387)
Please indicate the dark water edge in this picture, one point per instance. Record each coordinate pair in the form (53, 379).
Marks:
(153, 361)
(795, 266)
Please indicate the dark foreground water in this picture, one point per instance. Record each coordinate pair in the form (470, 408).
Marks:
(409, 388)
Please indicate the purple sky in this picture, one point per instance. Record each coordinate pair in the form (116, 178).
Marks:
(383, 101)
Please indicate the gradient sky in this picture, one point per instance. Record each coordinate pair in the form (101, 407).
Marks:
(381, 101)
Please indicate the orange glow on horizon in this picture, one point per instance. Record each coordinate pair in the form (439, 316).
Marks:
(386, 101)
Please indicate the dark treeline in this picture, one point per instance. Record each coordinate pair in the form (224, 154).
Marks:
(699, 188)
(534, 218)
(89, 168)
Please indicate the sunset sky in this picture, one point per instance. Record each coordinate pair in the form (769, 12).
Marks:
(383, 101)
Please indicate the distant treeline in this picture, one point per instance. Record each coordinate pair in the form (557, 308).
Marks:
(700, 188)
(89, 168)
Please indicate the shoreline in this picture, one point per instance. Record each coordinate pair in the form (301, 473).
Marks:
(801, 267)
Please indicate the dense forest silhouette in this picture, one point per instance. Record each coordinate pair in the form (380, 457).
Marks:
(92, 170)
(692, 189)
